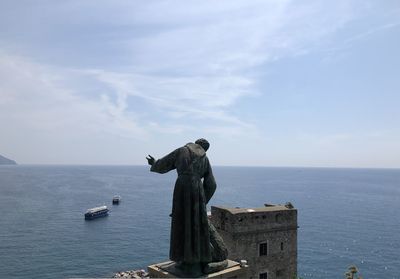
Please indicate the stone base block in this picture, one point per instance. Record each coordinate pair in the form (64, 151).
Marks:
(168, 270)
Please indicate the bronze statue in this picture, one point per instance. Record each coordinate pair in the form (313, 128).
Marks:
(195, 245)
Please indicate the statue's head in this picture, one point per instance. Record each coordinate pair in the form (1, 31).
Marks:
(203, 143)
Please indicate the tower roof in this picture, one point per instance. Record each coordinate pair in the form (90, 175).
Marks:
(268, 208)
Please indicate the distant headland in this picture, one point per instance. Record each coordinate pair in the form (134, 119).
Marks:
(6, 161)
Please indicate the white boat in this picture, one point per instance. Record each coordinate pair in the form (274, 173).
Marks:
(116, 199)
(96, 212)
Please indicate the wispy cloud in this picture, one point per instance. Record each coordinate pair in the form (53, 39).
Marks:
(131, 69)
(347, 43)
(34, 97)
(205, 60)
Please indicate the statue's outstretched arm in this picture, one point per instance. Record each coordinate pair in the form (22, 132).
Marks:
(165, 164)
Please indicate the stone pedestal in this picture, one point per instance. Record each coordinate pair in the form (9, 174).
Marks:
(168, 270)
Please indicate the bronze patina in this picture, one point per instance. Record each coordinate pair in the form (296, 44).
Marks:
(195, 244)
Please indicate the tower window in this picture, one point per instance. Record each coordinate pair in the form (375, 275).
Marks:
(263, 249)
(264, 275)
(281, 246)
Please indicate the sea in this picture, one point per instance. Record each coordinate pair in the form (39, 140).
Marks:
(345, 216)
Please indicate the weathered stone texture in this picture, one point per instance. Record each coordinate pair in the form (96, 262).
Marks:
(244, 229)
(169, 270)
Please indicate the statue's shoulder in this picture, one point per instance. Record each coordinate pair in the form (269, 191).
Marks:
(195, 149)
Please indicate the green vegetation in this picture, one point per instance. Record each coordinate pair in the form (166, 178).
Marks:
(352, 273)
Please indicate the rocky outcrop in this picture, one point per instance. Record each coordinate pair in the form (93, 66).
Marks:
(137, 274)
(6, 161)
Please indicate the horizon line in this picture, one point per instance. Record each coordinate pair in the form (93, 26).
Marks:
(233, 166)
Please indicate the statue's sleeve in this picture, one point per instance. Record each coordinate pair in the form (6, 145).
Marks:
(166, 163)
(209, 183)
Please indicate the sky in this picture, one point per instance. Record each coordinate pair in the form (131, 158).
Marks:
(268, 83)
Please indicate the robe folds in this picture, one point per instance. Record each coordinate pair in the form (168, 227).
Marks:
(194, 187)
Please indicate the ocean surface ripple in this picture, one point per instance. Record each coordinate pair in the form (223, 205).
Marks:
(346, 216)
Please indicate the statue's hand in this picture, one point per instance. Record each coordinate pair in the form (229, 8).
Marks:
(150, 160)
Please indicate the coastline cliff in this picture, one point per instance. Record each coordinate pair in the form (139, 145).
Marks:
(6, 161)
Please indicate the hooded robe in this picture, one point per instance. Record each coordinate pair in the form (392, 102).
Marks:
(190, 236)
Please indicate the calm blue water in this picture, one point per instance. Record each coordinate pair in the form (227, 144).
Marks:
(346, 216)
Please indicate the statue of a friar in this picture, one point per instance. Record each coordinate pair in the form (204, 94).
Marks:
(195, 245)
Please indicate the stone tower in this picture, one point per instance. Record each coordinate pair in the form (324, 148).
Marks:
(266, 237)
